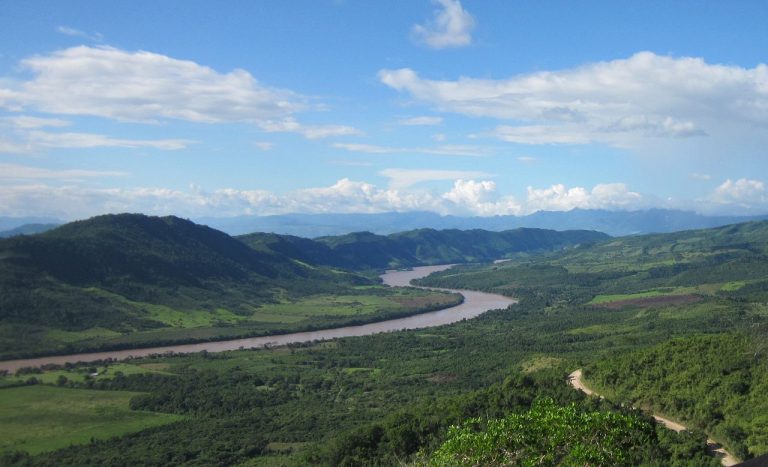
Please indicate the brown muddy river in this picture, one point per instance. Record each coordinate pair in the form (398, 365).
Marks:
(475, 303)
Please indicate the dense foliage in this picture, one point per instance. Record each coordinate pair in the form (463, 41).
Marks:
(364, 250)
(128, 280)
(390, 399)
(718, 383)
(549, 434)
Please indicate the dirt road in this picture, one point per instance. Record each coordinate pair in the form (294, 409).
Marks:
(713, 446)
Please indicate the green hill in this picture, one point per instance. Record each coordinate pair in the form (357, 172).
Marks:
(727, 261)
(364, 250)
(127, 280)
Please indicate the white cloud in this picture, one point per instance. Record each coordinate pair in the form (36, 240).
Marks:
(621, 102)
(35, 140)
(68, 31)
(24, 193)
(440, 137)
(89, 140)
(443, 150)
(451, 26)
(30, 123)
(602, 196)
(526, 159)
(479, 198)
(743, 193)
(421, 121)
(22, 172)
(149, 87)
(144, 86)
(541, 134)
(290, 125)
(404, 178)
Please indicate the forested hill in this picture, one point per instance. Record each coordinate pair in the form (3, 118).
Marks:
(105, 272)
(365, 250)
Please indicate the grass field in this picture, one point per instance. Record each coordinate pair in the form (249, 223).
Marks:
(600, 299)
(43, 418)
(181, 325)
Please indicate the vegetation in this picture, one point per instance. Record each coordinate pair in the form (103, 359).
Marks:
(129, 280)
(716, 383)
(365, 251)
(43, 418)
(392, 398)
(549, 434)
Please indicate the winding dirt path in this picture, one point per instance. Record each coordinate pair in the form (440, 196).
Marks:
(715, 448)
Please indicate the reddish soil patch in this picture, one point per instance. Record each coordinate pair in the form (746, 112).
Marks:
(652, 301)
(443, 378)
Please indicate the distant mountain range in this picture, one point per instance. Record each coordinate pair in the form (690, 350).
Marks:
(27, 229)
(615, 223)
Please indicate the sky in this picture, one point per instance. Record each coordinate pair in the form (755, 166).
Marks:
(202, 108)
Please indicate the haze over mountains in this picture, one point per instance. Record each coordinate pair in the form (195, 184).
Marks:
(615, 223)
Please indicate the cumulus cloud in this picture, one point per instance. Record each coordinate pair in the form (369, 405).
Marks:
(602, 196)
(619, 102)
(451, 26)
(33, 191)
(479, 198)
(149, 87)
(742, 193)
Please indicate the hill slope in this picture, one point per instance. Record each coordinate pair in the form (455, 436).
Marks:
(121, 274)
(365, 250)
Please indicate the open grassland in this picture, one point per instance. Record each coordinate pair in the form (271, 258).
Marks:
(43, 418)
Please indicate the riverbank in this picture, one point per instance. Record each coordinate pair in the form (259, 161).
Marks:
(474, 304)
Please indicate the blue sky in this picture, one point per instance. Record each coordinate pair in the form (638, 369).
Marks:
(201, 108)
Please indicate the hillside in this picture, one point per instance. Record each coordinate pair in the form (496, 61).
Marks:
(365, 250)
(648, 289)
(128, 280)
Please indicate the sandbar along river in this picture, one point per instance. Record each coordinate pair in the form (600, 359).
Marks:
(475, 303)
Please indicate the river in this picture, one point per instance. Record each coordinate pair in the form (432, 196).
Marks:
(475, 303)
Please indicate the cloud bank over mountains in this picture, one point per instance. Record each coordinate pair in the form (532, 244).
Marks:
(29, 193)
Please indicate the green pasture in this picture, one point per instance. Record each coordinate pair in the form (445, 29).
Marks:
(43, 418)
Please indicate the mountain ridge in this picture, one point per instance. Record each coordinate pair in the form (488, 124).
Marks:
(615, 223)
(366, 250)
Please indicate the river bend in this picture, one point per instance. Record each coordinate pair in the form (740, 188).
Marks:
(475, 303)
